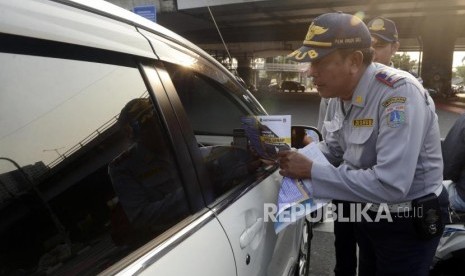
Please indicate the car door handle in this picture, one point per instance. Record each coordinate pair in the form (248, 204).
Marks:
(249, 234)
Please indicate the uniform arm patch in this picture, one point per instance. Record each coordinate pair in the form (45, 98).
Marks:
(395, 116)
(392, 100)
(388, 78)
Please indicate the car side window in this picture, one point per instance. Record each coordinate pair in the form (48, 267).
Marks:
(209, 105)
(87, 171)
(214, 113)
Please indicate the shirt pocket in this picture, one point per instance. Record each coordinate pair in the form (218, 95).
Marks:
(360, 136)
(361, 150)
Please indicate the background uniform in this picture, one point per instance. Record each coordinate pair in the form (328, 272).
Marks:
(453, 150)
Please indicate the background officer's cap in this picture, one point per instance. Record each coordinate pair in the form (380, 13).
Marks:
(383, 28)
(329, 32)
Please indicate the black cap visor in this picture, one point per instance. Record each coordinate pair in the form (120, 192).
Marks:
(383, 37)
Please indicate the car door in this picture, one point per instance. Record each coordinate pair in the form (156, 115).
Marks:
(257, 249)
(241, 207)
(209, 104)
(61, 137)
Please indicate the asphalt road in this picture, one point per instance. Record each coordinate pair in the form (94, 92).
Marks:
(304, 110)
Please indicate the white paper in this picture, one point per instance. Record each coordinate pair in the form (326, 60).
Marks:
(295, 199)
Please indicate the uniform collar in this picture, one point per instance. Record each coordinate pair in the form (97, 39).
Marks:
(361, 91)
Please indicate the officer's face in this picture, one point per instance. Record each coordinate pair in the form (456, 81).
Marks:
(333, 76)
(383, 50)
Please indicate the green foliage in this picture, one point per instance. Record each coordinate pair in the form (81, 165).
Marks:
(459, 72)
(403, 62)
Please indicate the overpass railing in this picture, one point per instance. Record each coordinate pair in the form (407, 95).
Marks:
(282, 67)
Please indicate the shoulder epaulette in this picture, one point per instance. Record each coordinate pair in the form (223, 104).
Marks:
(389, 77)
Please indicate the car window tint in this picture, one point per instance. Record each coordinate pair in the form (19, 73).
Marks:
(214, 113)
(81, 185)
(206, 102)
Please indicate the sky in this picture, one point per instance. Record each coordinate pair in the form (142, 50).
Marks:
(458, 56)
(457, 61)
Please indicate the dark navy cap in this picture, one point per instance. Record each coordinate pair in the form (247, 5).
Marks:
(329, 32)
(384, 29)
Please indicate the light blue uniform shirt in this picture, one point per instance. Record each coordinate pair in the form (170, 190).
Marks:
(384, 145)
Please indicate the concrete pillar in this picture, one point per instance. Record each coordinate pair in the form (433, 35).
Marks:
(438, 36)
(244, 69)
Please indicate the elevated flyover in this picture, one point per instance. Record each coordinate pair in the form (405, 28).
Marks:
(261, 28)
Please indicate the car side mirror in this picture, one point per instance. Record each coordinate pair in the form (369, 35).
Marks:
(304, 135)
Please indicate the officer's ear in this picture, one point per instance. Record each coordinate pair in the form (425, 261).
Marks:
(356, 61)
(394, 47)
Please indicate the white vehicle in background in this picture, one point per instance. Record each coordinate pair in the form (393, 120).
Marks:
(450, 255)
(67, 70)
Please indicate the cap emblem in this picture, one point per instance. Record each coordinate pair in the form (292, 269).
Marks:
(314, 30)
(377, 25)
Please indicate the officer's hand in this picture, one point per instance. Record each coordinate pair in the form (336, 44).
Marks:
(294, 165)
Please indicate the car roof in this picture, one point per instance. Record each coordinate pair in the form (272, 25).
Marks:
(111, 10)
(115, 29)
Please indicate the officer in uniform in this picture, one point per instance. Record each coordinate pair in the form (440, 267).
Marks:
(385, 42)
(384, 146)
(143, 176)
(385, 39)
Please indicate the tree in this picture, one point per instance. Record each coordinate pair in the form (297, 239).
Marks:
(460, 71)
(403, 62)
